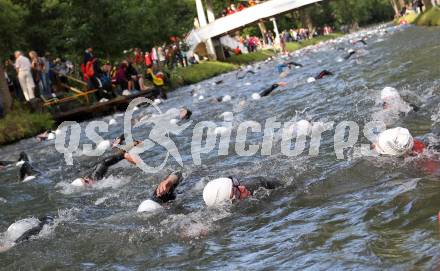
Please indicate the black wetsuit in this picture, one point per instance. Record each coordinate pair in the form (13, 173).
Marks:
(253, 184)
(323, 74)
(362, 41)
(349, 55)
(244, 75)
(294, 64)
(98, 171)
(35, 230)
(27, 170)
(171, 195)
(269, 90)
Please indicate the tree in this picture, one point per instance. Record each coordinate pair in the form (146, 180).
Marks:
(10, 24)
(427, 3)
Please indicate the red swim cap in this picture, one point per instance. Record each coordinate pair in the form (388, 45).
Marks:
(419, 146)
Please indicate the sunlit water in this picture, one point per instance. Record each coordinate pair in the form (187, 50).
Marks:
(356, 213)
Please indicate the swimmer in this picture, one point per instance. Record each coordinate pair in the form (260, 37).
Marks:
(289, 65)
(391, 99)
(323, 74)
(398, 142)
(24, 229)
(362, 41)
(27, 172)
(163, 193)
(244, 75)
(229, 189)
(98, 172)
(268, 91)
(47, 135)
(220, 99)
(350, 54)
(218, 82)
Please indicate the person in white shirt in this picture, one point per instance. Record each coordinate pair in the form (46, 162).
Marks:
(23, 66)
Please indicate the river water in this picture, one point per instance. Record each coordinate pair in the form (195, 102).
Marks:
(360, 212)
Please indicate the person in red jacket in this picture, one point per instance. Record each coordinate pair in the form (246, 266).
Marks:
(148, 61)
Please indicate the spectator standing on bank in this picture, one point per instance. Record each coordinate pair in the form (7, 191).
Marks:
(23, 66)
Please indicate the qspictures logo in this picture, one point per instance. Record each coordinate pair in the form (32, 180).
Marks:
(158, 126)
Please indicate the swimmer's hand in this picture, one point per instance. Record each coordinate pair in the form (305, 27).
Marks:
(282, 84)
(164, 187)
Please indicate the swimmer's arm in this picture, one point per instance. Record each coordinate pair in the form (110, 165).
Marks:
(130, 158)
(167, 185)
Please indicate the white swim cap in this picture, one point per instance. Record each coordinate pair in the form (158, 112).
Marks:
(157, 101)
(51, 136)
(126, 92)
(135, 108)
(149, 206)
(112, 122)
(389, 93)
(221, 130)
(256, 96)
(103, 145)
(311, 80)
(17, 229)
(201, 97)
(303, 127)
(217, 191)
(227, 116)
(77, 182)
(396, 141)
(226, 98)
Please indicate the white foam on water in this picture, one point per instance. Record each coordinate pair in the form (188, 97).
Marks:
(100, 201)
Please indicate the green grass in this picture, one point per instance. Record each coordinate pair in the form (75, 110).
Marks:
(199, 72)
(245, 59)
(429, 18)
(293, 46)
(20, 123)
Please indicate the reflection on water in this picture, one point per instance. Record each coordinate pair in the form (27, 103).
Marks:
(361, 212)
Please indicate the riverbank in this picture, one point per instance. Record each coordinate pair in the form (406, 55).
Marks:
(208, 69)
(430, 17)
(21, 123)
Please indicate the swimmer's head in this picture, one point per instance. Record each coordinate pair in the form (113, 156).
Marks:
(185, 113)
(118, 141)
(23, 157)
(396, 142)
(223, 190)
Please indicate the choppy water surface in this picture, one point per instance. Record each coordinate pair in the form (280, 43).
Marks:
(357, 213)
